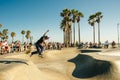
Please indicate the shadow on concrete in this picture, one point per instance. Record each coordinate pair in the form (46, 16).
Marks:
(89, 51)
(9, 62)
(87, 66)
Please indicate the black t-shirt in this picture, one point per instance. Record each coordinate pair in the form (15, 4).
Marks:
(40, 40)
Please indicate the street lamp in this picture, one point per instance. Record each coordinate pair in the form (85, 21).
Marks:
(118, 33)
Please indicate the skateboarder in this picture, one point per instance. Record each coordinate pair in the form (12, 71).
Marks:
(40, 44)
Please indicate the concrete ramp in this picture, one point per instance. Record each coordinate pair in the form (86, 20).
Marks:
(109, 64)
(23, 67)
(19, 69)
(56, 66)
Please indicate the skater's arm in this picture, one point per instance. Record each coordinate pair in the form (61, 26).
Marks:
(45, 32)
(44, 43)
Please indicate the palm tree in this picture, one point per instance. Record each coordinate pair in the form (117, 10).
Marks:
(98, 18)
(91, 21)
(5, 32)
(28, 34)
(0, 25)
(70, 31)
(13, 34)
(79, 15)
(23, 33)
(74, 13)
(66, 17)
(62, 26)
(1, 32)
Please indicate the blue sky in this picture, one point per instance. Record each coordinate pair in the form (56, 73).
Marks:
(40, 15)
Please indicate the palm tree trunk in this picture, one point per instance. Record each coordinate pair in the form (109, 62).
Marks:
(71, 37)
(23, 39)
(64, 36)
(98, 33)
(93, 34)
(67, 34)
(74, 32)
(79, 32)
(68, 38)
(12, 39)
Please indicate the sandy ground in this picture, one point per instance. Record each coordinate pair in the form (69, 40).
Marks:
(54, 65)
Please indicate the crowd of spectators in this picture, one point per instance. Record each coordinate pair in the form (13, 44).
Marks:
(18, 47)
(105, 45)
(54, 45)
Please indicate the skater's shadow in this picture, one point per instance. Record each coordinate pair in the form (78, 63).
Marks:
(87, 66)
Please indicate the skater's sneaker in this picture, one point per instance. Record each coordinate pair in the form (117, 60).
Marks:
(31, 55)
(40, 55)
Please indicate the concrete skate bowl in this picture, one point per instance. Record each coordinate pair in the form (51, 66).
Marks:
(23, 67)
(20, 69)
(55, 55)
(60, 65)
(90, 68)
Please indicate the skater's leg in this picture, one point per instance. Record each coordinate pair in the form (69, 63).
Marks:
(41, 50)
(36, 52)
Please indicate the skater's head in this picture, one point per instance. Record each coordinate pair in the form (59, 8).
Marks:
(46, 37)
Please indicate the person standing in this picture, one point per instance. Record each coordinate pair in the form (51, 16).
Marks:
(40, 44)
(106, 44)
